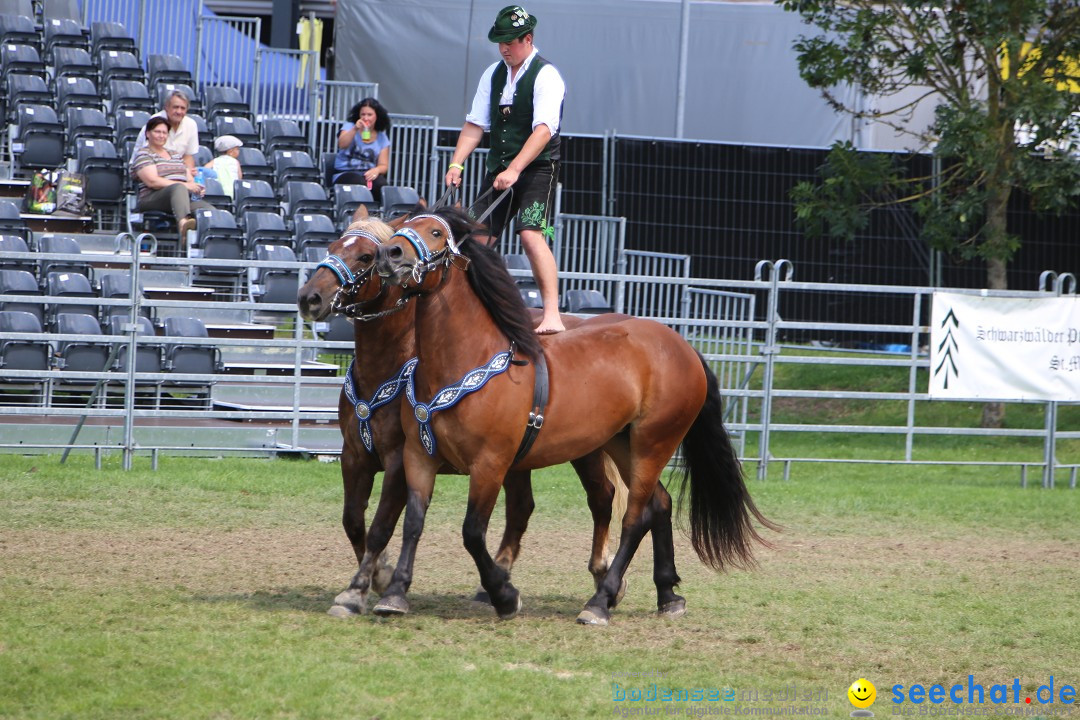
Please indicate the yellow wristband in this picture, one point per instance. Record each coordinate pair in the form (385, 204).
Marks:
(458, 166)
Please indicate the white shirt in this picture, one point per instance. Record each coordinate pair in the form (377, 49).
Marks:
(548, 93)
(182, 141)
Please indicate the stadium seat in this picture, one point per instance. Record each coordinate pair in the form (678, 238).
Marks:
(104, 171)
(225, 100)
(11, 222)
(61, 245)
(290, 165)
(265, 228)
(14, 282)
(66, 285)
(166, 68)
(349, 197)
(186, 358)
(22, 354)
(206, 137)
(77, 92)
(253, 194)
(203, 156)
(586, 301)
(81, 355)
(18, 29)
(274, 285)
(110, 36)
(306, 197)
(398, 200)
(335, 328)
(15, 244)
(239, 127)
(313, 254)
(119, 65)
(149, 357)
(73, 62)
(63, 32)
(165, 90)
(86, 123)
(129, 123)
(313, 230)
(21, 59)
(279, 134)
(129, 95)
(218, 238)
(25, 89)
(40, 137)
(326, 163)
(117, 286)
(215, 194)
(254, 166)
(530, 291)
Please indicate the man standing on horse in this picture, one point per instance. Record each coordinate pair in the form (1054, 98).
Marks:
(520, 101)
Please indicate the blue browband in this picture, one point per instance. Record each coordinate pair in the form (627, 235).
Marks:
(337, 266)
(421, 248)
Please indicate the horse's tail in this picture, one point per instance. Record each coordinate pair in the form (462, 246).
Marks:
(721, 509)
(618, 503)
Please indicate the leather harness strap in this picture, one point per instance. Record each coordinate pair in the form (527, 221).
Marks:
(536, 415)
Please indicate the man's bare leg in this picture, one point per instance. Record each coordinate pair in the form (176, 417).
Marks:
(546, 274)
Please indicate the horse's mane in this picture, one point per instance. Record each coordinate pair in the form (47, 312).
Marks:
(493, 284)
(375, 226)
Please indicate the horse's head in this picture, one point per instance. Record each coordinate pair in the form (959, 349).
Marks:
(423, 245)
(345, 277)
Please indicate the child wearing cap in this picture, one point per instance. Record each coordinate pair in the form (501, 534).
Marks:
(226, 164)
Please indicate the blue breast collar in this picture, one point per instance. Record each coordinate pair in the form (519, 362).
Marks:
(386, 392)
(451, 395)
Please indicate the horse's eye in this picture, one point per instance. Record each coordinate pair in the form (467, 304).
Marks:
(367, 258)
(436, 233)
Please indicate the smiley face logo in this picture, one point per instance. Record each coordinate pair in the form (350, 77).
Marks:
(862, 693)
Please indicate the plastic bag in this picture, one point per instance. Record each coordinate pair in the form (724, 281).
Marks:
(70, 193)
(41, 195)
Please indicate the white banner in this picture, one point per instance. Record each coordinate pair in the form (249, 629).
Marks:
(989, 348)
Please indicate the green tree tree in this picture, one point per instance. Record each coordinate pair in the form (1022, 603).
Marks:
(1004, 77)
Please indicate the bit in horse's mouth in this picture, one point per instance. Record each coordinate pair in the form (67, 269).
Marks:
(393, 272)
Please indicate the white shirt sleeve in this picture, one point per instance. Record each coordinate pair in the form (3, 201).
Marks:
(548, 93)
(480, 114)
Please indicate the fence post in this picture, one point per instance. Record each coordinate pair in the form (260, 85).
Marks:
(769, 350)
(1063, 283)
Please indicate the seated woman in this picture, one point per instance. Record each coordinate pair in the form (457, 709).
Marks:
(363, 156)
(163, 181)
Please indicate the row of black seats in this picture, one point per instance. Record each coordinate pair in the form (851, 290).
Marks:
(170, 354)
(579, 300)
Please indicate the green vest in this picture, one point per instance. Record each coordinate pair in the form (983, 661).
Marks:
(509, 131)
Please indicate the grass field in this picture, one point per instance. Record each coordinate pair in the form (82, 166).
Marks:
(201, 590)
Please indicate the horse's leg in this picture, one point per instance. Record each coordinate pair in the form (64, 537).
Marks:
(358, 475)
(373, 570)
(517, 489)
(420, 480)
(664, 574)
(483, 492)
(592, 471)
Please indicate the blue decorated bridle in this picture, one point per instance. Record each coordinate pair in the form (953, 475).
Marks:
(351, 282)
(426, 260)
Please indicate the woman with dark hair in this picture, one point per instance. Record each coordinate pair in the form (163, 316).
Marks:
(363, 156)
(163, 181)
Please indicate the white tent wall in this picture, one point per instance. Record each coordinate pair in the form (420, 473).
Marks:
(620, 59)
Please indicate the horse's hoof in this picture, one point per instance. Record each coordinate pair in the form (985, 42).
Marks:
(353, 600)
(674, 609)
(622, 592)
(341, 611)
(482, 596)
(380, 580)
(391, 605)
(593, 616)
(513, 613)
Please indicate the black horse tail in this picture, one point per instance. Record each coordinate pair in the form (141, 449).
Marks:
(721, 509)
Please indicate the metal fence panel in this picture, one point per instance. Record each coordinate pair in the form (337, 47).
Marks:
(227, 54)
(413, 160)
(284, 83)
(652, 299)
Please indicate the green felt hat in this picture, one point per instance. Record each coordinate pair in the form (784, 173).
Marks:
(512, 22)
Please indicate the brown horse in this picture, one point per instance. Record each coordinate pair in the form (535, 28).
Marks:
(643, 389)
(371, 429)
